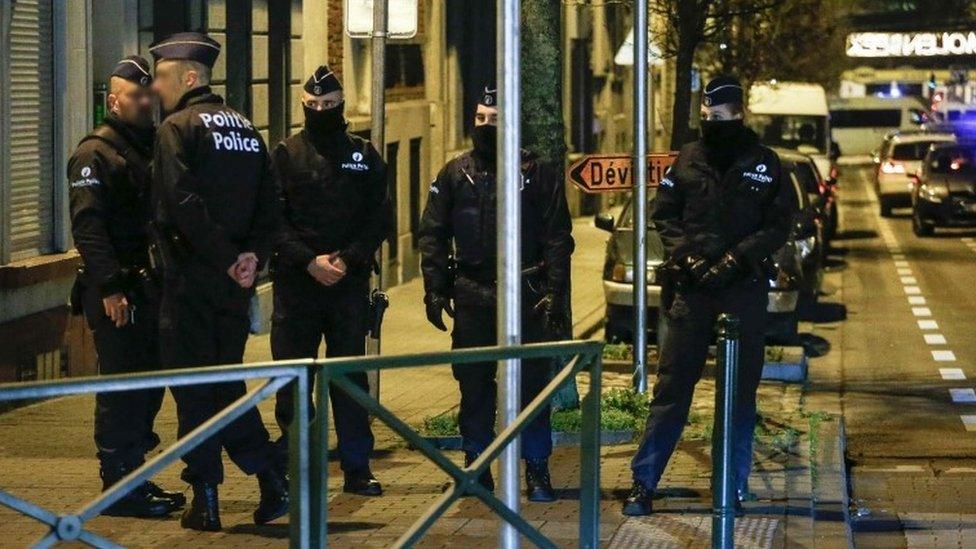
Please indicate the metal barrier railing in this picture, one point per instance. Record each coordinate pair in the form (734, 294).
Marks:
(308, 440)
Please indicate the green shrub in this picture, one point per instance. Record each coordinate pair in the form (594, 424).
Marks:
(441, 425)
(567, 421)
(617, 351)
(626, 400)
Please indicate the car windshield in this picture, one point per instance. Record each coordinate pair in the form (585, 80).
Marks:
(911, 151)
(627, 215)
(865, 118)
(790, 131)
(956, 161)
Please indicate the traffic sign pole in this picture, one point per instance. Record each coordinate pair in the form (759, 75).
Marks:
(640, 195)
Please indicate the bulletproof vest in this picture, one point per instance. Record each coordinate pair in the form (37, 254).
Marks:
(474, 215)
(326, 185)
(128, 188)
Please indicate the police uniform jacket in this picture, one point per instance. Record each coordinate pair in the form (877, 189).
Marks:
(109, 178)
(748, 210)
(460, 217)
(333, 199)
(212, 181)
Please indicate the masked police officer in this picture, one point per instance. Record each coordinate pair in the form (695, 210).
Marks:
(336, 214)
(460, 216)
(215, 206)
(721, 212)
(109, 174)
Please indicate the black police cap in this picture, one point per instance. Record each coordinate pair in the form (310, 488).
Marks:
(322, 81)
(722, 90)
(134, 69)
(192, 46)
(489, 97)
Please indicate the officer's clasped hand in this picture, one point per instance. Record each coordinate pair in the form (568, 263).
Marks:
(551, 309)
(327, 269)
(695, 266)
(722, 273)
(437, 305)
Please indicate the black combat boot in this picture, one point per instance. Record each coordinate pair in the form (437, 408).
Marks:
(485, 479)
(363, 483)
(274, 496)
(638, 502)
(538, 487)
(136, 503)
(177, 499)
(204, 511)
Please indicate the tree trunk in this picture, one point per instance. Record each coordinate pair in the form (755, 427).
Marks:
(681, 109)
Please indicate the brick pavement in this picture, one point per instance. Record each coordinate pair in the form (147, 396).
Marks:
(47, 456)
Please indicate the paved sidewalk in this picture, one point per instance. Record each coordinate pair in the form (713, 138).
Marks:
(46, 455)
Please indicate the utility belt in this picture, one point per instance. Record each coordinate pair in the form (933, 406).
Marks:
(478, 286)
(168, 249)
(134, 279)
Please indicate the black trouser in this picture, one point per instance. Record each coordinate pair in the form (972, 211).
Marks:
(204, 322)
(124, 420)
(475, 326)
(304, 313)
(691, 321)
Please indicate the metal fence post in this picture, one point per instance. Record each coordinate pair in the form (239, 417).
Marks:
(640, 196)
(298, 452)
(723, 474)
(319, 462)
(589, 531)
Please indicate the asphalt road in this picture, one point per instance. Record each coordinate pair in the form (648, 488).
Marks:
(903, 362)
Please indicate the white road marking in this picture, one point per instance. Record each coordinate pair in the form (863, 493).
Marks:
(916, 300)
(952, 373)
(908, 280)
(921, 311)
(934, 339)
(904, 272)
(944, 356)
(928, 325)
(913, 290)
(963, 395)
(969, 422)
(967, 239)
(901, 263)
(898, 256)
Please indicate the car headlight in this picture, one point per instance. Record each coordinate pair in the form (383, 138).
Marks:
(933, 192)
(806, 246)
(625, 273)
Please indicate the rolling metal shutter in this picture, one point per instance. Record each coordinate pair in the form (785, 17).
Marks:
(31, 193)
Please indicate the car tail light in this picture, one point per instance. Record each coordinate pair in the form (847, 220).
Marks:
(619, 273)
(892, 167)
(834, 173)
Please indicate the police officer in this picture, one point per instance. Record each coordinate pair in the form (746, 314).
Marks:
(109, 175)
(336, 214)
(215, 206)
(460, 215)
(721, 211)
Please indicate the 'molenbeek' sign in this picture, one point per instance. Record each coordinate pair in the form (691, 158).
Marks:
(910, 44)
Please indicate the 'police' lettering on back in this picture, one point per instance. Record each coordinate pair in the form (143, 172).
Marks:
(223, 126)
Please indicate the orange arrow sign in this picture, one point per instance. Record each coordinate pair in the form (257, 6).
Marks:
(603, 173)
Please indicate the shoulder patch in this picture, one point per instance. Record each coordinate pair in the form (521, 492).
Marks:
(667, 182)
(433, 187)
(86, 178)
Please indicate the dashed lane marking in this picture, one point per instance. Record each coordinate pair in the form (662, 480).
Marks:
(901, 263)
(916, 300)
(909, 280)
(944, 356)
(928, 325)
(963, 396)
(934, 339)
(953, 374)
(904, 272)
(912, 290)
(921, 311)
(969, 422)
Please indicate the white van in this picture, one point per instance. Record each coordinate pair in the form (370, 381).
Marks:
(860, 123)
(792, 115)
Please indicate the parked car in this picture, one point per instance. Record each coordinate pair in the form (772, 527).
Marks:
(897, 161)
(812, 218)
(618, 274)
(859, 123)
(944, 189)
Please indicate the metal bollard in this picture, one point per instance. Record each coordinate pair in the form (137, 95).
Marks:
(723, 473)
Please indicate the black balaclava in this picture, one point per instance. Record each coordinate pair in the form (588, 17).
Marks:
(327, 121)
(485, 137)
(722, 138)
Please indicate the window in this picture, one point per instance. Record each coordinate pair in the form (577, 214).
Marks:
(865, 118)
(911, 151)
(807, 178)
(415, 197)
(790, 131)
(28, 209)
(392, 150)
(404, 66)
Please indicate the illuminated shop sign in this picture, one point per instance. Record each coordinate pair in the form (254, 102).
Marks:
(910, 44)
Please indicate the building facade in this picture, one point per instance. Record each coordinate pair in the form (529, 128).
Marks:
(55, 57)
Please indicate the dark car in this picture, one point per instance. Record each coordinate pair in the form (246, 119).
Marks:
(618, 274)
(944, 189)
(814, 201)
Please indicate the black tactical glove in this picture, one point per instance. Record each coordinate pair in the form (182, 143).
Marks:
(722, 273)
(551, 308)
(437, 305)
(695, 266)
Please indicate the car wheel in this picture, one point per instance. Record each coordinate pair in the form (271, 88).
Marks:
(919, 227)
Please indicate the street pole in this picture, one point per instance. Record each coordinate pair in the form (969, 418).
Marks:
(640, 195)
(377, 136)
(723, 474)
(509, 300)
